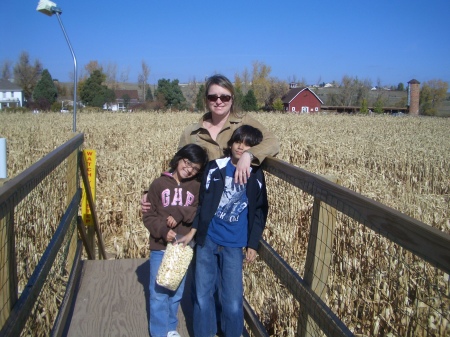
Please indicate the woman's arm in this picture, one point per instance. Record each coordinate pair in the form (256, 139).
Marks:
(270, 145)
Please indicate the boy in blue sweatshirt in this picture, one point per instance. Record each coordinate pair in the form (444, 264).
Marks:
(229, 217)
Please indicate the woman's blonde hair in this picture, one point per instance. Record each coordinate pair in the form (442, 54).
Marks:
(223, 82)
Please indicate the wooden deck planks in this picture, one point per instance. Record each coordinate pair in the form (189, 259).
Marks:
(112, 300)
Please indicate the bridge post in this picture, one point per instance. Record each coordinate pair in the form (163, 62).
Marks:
(318, 259)
(8, 266)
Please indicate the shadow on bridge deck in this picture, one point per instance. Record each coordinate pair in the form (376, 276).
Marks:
(111, 300)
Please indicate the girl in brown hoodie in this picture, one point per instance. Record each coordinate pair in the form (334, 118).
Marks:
(174, 199)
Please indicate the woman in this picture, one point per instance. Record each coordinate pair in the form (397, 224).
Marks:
(215, 128)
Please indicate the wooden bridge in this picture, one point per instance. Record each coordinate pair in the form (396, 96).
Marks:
(60, 289)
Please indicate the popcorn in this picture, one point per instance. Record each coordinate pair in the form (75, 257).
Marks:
(174, 265)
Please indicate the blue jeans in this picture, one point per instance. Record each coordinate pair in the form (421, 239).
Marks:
(163, 302)
(214, 265)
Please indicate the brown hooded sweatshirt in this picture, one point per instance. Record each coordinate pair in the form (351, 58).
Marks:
(167, 197)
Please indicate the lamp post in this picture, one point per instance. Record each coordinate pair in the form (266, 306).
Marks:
(49, 8)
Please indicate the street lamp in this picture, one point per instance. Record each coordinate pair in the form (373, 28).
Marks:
(49, 8)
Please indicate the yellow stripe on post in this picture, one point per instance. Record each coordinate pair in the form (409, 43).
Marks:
(90, 157)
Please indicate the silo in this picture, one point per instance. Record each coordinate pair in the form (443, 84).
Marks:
(413, 97)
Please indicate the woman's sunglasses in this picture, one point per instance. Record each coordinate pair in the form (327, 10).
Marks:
(223, 98)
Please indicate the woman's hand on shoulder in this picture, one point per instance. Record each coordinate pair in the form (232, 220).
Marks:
(145, 205)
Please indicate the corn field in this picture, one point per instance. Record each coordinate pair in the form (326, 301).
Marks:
(401, 162)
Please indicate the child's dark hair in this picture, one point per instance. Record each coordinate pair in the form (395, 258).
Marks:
(192, 152)
(246, 134)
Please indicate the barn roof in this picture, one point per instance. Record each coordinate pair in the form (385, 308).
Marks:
(294, 92)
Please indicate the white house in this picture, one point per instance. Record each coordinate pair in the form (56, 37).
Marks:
(132, 98)
(11, 94)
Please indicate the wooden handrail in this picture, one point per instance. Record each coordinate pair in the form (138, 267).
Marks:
(419, 238)
(17, 188)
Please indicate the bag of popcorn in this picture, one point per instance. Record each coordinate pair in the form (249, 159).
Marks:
(174, 265)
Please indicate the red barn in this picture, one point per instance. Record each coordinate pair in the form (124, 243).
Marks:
(301, 100)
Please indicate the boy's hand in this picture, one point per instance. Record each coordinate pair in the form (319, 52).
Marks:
(243, 169)
(170, 221)
(251, 255)
(145, 205)
(187, 238)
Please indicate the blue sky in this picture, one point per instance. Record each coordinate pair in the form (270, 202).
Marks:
(389, 41)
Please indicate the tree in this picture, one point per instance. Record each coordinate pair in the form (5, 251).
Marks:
(432, 94)
(94, 93)
(45, 92)
(125, 74)
(111, 75)
(200, 99)
(143, 78)
(149, 95)
(190, 93)
(171, 94)
(6, 70)
(126, 100)
(92, 66)
(277, 90)
(364, 107)
(353, 91)
(249, 102)
(378, 106)
(260, 83)
(238, 98)
(27, 75)
(278, 104)
(400, 87)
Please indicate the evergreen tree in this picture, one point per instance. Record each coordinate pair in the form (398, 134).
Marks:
(238, 98)
(45, 92)
(249, 103)
(378, 107)
(94, 93)
(364, 107)
(200, 99)
(171, 93)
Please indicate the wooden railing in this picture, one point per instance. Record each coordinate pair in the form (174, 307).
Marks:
(15, 310)
(331, 203)
(423, 241)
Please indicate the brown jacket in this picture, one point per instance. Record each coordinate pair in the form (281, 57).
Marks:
(167, 197)
(197, 134)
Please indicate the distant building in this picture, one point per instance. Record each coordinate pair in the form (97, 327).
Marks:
(11, 95)
(125, 99)
(301, 100)
(413, 97)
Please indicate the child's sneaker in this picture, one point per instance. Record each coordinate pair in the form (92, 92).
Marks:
(173, 334)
